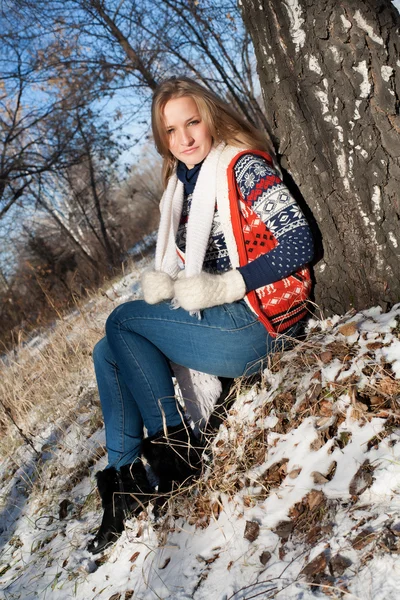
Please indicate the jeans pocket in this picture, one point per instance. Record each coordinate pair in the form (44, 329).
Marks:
(240, 315)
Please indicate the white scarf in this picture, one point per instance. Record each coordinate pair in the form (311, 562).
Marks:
(200, 391)
(199, 223)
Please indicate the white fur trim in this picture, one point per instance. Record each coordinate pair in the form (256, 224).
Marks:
(200, 392)
(212, 185)
(157, 286)
(206, 290)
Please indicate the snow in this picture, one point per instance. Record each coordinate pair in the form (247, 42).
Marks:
(335, 53)
(386, 72)
(314, 65)
(296, 21)
(346, 458)
(357, 115)
(362, 151)
(393, 240)
(362, 23)
(365, 86)
(346, 23)
(376, 199)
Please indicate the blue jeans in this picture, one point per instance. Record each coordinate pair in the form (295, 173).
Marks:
(132, 363)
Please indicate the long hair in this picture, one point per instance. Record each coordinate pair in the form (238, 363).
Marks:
(224, 123)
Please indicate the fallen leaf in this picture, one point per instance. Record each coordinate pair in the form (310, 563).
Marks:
(294, 473)
(348, 329)
(318, 478)
(339, 564)
(264, 557)
(251, 531)
(325, 408)
(363, 539)
(134, 557)
(63, 509)
(326, 357)
(316, 566)
(362, 480)
(389, 386)
(284, 529)
(315, 498)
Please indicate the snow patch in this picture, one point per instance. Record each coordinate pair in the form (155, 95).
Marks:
(357, 115)
(313, 65)
(386, 72)
(362, 23)
(363, 152)
(339, 129)
(365, 86)
(296, 21)
(346, 23)
(342, 165)
(335, 54)
(393, 239)
(323, 98)
(376, 199)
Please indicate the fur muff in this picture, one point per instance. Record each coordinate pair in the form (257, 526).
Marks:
(157, 286)
(174, 457)
(208, 289)
(123, 493)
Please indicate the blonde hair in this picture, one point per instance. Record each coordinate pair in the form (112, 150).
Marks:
(224, 123)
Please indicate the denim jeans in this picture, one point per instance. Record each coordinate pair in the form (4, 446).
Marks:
(132, 363)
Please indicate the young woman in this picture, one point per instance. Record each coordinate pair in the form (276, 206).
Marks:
(230, 277)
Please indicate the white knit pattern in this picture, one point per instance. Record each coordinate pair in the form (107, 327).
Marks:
(200, 391)
(199, 223)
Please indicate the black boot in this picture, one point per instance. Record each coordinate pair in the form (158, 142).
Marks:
(175, 457)
(123, 493)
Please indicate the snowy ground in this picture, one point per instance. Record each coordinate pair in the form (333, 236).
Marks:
(300, 500)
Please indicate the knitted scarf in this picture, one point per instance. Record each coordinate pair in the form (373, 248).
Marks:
(199, 391)
(199, 222)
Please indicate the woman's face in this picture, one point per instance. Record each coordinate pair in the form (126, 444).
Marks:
(189, 139)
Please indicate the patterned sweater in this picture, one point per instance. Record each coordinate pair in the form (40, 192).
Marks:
(261, 189)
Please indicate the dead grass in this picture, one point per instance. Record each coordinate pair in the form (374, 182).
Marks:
(38, 384)
(244, 446)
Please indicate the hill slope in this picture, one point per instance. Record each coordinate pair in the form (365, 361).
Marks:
(299, 499)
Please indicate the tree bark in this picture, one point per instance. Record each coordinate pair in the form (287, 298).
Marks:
(330, 77)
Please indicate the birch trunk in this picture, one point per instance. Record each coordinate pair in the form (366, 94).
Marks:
(330, 77)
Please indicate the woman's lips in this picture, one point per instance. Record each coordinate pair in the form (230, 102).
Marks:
(189, 151)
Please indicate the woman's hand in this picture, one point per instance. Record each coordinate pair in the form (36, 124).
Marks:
(206, 290)
(157, 286)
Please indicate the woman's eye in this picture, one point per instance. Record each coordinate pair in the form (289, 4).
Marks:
(169, 131)
(195, 122)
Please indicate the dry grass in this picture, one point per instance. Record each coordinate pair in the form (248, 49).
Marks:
(37, 384)
(244, 445)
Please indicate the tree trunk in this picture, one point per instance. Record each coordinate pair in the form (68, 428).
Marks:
(330, 77)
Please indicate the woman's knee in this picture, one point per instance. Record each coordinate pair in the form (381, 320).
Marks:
(129, 311)
(101, 352)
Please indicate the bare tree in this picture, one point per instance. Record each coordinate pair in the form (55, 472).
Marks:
(330, 79)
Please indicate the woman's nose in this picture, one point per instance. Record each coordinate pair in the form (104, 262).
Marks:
(185, 138)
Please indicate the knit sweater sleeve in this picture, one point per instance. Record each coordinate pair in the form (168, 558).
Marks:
(264, 192)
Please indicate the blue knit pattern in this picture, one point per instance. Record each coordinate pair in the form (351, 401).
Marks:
(263, 191)
(216, 259)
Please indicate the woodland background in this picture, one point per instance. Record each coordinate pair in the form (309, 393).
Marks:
(79, 182)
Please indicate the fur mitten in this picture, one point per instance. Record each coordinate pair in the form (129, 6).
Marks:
(206, 290)
(157, 286)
